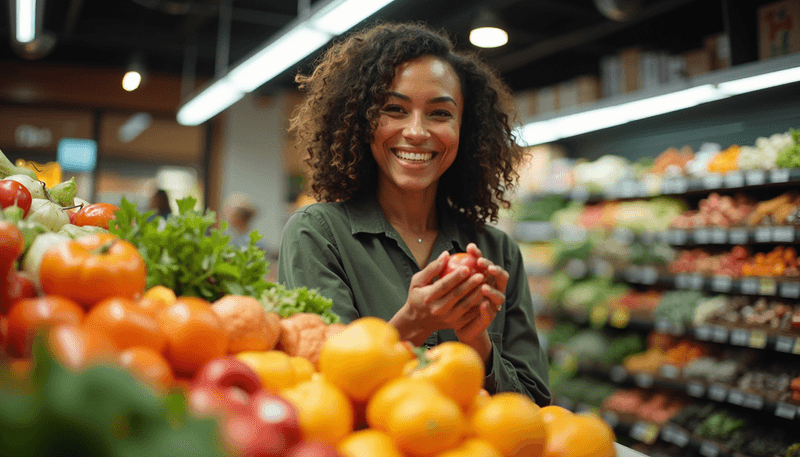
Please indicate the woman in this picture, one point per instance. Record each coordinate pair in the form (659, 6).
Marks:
(411, 152)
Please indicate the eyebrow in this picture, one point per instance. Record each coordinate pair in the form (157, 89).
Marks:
(442, 99)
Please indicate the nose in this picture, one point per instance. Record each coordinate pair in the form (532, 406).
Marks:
(416, 128)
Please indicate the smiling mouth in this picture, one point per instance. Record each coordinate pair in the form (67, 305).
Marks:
(413, 156)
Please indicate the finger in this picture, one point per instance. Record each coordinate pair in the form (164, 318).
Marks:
(494, 296)
(472, 248)
(428, 274)
(455, 290)
(478, 324)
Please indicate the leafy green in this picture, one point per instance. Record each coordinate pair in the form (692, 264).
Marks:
(789, 157)
(286, 302)
(188, 254)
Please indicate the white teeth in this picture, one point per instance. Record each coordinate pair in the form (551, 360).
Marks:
(419, 157)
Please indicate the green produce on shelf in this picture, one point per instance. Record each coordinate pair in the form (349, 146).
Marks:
(725, 427)
(678, 306)
(540, 209)
(621, 347)
(789, 157)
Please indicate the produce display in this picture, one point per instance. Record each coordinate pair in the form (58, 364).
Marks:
(705, 265)
(123, 335)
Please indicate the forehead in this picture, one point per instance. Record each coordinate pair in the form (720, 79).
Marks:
(427, 72)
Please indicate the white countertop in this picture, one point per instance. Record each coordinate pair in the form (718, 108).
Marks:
(624, 451)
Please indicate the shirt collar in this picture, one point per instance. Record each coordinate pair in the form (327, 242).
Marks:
(366, 216)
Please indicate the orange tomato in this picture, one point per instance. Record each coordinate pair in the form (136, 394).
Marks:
(148, 366)
(125, 324)
(93, 267)
(368, 443)
(552, 413)
(30, 315)
(580, 435)
(155, 299)
(363, 356)
(274, 368)
(472, 447)
(324, 411)
(194, 335)
(455, 368)
(510, 422)
(390, 394)
(303, 368)
(76, 346)
(424, 424)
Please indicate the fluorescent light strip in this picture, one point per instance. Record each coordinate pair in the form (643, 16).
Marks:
(570, 125)
(299, 40)
(26, 20)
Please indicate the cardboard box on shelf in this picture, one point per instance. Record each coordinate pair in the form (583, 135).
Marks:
(719, 50)
(547, 100)
(610, 76)
(698, 62)
(778, 29)
(578, 91)
(631, 76)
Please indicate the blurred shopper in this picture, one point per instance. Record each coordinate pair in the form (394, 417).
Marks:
(240, 212)
(160, 203)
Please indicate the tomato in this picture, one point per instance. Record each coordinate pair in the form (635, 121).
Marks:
(75, 346)
(364, 356)
(462, 259)
(510, 421)
(424, 424)
(125, 324)
(195, 335)
(12, 243)
(31, 315)
(14, 193)
(96, 214)
(455, 368)
(324, 411)
(148, 366)
(93, 267)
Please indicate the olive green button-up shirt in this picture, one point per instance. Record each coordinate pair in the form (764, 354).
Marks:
(350, 253)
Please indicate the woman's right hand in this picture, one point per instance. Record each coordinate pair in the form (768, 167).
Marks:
(436, 303)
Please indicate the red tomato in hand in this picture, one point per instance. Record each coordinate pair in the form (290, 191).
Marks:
(462, 258)
(14, 193)
(96, 214)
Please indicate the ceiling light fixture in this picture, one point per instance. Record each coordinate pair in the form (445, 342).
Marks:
(735, 81)
(25, 20)
(487, 31)
(296, 41)
(135, 74)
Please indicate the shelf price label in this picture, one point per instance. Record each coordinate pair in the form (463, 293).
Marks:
(779, 175)
(719, 334)
(783, 234)
(736, 397)
(740, 337)
(643, 380)
(758, 339)
(753, 402)
(762, 234)
(675, 186)
(675, 435)
(721, 283)
(734, 179)
(669, 371)
(709, 449)
(712, 181)
(717, 392)
(784, 344)
(695, 389)
(678, 237)
(632, 274)
(649, 275)
(738, 236)
(617, 374)
(644, 432)
(755, 177)
(702, 236)
(719, 235)
(611, 418)
(790, 289)
(785, 410)
(749, 286)
(702, 333)
(767, 286)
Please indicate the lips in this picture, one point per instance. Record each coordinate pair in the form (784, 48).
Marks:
(413, 156)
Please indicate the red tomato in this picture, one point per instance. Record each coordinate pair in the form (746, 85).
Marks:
(96, 214)
(31, 315)
(459, 259)
(14, 193)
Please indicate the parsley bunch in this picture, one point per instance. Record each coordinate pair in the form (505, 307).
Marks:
(286, 302)
(187, 254)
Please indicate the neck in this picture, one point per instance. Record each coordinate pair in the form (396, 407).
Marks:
(412, 212)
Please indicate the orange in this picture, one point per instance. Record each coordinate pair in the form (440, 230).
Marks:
(125, 325)
(148, 366)
(324, 411)
(425, 423)
(368, 443)
(386, 398)
(552, 413)
(303, 368)
(511, 422)
(30, 315)
(194, 335)
(155, 299)
(472, 447)
(580, 435)
(274, 368)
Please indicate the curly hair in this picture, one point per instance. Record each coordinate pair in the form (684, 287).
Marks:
(337, 119)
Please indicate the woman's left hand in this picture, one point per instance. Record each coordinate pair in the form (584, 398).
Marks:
(493, 290)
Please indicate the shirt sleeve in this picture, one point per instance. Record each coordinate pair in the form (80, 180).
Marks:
(519, 362)
(309, 257)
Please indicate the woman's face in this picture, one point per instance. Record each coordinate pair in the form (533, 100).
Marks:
(416, 140)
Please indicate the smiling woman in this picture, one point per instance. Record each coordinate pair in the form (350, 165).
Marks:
(411, 152)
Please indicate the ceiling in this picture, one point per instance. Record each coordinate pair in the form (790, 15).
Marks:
(550, 40)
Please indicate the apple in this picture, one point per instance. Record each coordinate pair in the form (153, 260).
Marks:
(313, 449)
(247, 437)
(278, 413)
(228, 372)
(206, 400)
